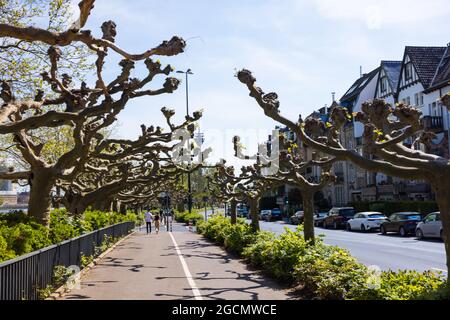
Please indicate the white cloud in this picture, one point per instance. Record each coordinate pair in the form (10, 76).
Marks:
(376, 14)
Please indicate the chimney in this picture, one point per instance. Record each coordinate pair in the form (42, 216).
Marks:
(333, 95)
(360, 71)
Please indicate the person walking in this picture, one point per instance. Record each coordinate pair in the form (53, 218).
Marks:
(157, 221)
(148, 221)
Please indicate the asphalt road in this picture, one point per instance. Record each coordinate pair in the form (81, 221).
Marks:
(387, 252)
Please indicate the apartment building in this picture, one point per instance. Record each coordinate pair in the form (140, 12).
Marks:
(419, 79)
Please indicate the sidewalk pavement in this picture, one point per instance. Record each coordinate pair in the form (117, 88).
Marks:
(172, 266)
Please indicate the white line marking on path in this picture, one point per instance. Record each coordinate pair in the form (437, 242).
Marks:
(189, 278)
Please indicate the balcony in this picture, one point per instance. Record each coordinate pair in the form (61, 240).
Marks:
(386, 189)
(433, 123)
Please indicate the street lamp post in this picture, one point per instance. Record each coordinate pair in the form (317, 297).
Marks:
(187, 73)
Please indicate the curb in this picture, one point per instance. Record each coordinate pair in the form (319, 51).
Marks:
(61, 291)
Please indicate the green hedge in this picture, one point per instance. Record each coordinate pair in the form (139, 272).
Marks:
(21, 234)
(323, 271)
(388, 207)
(185, 216)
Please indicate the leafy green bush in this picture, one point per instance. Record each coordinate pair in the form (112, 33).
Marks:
(22, 238)
(238, 237)
(62, 226)
(330, 272)
(195, 216)
(216, 228)
(324, 271)
(405, 285)
(21, 234)
(97, 219)
(5, 252)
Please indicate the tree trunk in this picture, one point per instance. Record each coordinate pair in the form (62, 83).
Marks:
(115, 206)
(308, 216)
(123, 208)
(233, 213)
(443, 200)
(42, 182)
(254, 204)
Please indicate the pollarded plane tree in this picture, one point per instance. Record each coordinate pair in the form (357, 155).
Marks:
(246, 186)
(22, 61)
(291, 169)
(386, 128)
(223, 190)
(116, 165)
(88, 110)
(145, 194)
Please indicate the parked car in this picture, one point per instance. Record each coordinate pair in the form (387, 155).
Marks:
(275, 214)
(319, 218)
(403, 223)
(366, 221)
(264, 214)
(338, 217)
(430, 227)
(297, 218)
(242, 212)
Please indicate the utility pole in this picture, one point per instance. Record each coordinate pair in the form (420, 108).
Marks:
(187, 73)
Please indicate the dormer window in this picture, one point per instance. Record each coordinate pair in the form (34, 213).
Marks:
(408, 71)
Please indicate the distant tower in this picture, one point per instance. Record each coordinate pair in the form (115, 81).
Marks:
(360, 71)
(333, 95)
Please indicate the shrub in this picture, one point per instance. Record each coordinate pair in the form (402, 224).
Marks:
(194, 217)
(330, 272)
(5, 252)
(23, 238)
(185, 216)
(253, 253)
(21, 234)
(238, 237)
(216, 228)
(324, 271)
(62, 226)
(97, 219)
(405, 285)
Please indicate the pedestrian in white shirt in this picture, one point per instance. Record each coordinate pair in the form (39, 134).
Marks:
(148, 221)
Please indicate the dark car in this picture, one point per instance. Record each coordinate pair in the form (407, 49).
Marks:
(338, 217)
(275, 214)
(297, 218)
(404, 223)
(319, 218)
(242, 212)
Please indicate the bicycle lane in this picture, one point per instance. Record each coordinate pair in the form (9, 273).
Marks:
(180, 265)
(139, 268)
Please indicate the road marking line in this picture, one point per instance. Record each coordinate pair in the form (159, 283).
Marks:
(189, 277)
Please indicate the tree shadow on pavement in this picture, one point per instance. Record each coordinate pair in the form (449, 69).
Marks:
(252, 284)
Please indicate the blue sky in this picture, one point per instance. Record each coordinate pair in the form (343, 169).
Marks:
(303, 50)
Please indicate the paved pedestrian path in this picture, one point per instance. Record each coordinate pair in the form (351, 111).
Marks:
(176, 265)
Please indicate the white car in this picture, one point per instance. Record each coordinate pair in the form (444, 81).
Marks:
(430, 227)
(365, 221)
(264, 214)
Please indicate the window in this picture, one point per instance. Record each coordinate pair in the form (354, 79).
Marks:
(408, 71)
(431, 218)
(383, 84)
(421, 99)
(408, 100)
(416, 99)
